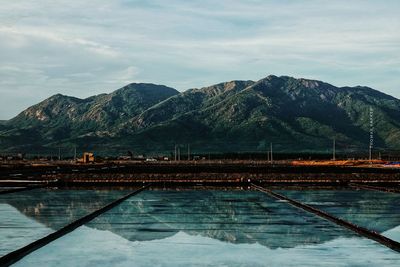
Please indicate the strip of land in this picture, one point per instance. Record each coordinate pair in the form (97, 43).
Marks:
(192, 173)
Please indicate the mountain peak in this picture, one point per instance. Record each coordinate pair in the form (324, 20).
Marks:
(301, 113)
(145, 89)
(272, 77)
(57, 97)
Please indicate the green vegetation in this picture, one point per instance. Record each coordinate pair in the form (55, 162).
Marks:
(238, 116)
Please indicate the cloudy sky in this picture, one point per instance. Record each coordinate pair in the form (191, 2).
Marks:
(82, 48)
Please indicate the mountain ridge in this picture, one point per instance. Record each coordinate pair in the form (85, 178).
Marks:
(296, 114)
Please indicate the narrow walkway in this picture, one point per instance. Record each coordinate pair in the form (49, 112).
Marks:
(15, 190)
(394, 245)
(18, 254)
(374, 188)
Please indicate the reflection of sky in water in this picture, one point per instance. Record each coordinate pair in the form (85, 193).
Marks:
(236, 217)
(89, 247)
(378, 211)
(17, 230)
(29, 215)
(210, 228)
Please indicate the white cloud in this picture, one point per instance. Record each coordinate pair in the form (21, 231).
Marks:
(89, 47)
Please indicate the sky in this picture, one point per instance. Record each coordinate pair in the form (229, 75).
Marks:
(84, 48)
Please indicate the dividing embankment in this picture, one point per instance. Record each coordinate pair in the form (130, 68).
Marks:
(210, 173)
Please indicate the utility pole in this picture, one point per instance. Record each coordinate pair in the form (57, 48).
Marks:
(175, 153)
(188, 153)
(334, 149)
(267, 152)
(370, 153)
(272, 158)
(179, 153)
(59, 153)
(75, 153)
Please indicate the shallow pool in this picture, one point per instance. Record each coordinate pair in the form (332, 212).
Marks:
(29, 215)
(377, 211)
(211, 228)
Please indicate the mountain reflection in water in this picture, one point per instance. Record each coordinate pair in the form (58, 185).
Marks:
(29, 215)
(235, 217)
(210, 228)
(229, 216)
(378, 211)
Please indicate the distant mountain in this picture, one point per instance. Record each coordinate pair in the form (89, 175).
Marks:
(236, 116)
(62, 118)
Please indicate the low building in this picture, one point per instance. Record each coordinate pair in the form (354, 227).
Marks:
(87, 157)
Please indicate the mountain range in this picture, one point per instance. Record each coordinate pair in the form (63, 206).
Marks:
(237, 116)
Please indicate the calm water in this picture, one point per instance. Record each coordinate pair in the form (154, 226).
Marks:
(212, 228)
(2, 189)
(378, 211)
(29, 215)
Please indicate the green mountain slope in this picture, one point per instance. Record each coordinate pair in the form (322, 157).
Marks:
(294, 114)
(60, 118)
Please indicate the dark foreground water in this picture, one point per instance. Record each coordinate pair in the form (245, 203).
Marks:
(211, 228)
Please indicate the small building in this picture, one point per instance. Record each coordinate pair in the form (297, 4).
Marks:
(87, 157)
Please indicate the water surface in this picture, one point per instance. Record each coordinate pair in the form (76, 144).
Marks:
(210, 228)
(29, 215)
(377, 211)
